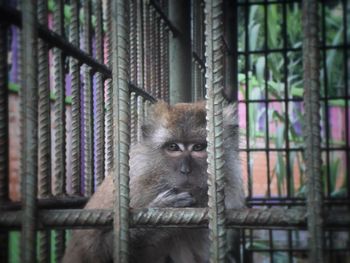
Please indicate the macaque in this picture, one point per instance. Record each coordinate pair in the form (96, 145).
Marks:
(168, 168)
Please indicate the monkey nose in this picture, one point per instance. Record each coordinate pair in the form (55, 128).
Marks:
(185, 167)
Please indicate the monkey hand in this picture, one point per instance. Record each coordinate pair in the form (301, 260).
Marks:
(173, 198)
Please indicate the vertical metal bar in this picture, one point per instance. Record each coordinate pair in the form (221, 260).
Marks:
(312, 129)
(121, 138)
(29, 157)
(4, 135)
(139, 45)
(133, 114)
(108, 96)
(60, 121)
(76, 102)
(165, 62)
(59, 108)
(87, 109)
(162, 56)
(152, 44)
(180, 52)
(99, 118)
(214, 82)
(140, 116)
(133, 42)
(146, 46)
(44, 176)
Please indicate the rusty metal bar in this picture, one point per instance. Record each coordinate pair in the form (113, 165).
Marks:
(284, 218)
(99, 97)
(29, 129)
(312, 130)
(87, 100)
(214, 81)
(121, 135)
(76, 102)
(140, 117)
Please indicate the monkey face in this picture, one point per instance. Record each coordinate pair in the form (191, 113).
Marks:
(187, 165)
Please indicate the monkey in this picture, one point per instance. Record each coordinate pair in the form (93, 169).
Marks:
(168, 168)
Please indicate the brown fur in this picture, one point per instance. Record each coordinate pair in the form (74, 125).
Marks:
(156, 180)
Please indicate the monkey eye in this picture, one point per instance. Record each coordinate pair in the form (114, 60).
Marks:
(173, 147)
(199, 147)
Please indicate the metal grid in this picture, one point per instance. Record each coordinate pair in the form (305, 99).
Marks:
(75, 51)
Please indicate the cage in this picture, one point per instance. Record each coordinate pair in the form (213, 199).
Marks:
(77, 78)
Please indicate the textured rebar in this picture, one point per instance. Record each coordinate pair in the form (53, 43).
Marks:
(163, 59)
(44, 176)
(133, 118)
(146, 46)
(4, 132)
(29, 132)
(165, 62)
(133, 41)
(140, 116)
(312, 132)
(60, 121)
(139, 46)
(121, 129)
(157, 217)
(156, 54)
(76, 102)
(108, 97)
(152, 52)
(214, 79)
(87, 99)
(99, 100)
(59, 107)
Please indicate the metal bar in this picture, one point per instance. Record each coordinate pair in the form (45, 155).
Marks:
(76, 102)
(44, 176)
(108, 96)
(140, 117)
(59, 107)
(133, 41)
(139, 46)
(146, 46)
(214, 80)
(165, 19)
(162, 59)
(12, 16)
(312, 130)
(275, 218)
(60, 121)
(121, 136)
(99, 97)
(151, 52)
(29, 114)
(87, 108)
(133, 118)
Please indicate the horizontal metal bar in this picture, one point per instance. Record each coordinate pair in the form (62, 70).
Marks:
(198, 61)
(12, 16)
(164, 17)
(172, 217)
(142, 93)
